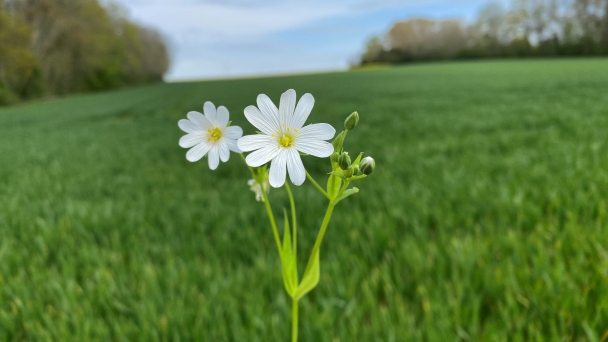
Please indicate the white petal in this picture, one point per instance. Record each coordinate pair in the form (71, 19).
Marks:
(188, 126)
(210, 112)
(317, 148)
(223, 150)
(192, 139)
(198, 151)
(320, 131)
(199, 119)
(287, 106)
(268, 108)
(256, 141)
(222, 116)
(278, 169)
(232, 146)
(214, 157)
(262, 156)
(295, 167)
(233, 132)
(302, 111)
(261, 121)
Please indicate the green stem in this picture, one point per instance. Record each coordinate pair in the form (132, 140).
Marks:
(324, 224)
(275, 231)
(294, 226)
(294, 321)
(316, 185)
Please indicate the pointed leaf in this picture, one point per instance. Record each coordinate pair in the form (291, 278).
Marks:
(311, 276)
(358, 159)
(346, 194)
(290, 275)
(338, 174)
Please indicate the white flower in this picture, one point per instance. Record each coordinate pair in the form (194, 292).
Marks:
(283, 137)
(257, 189)
(211, 134)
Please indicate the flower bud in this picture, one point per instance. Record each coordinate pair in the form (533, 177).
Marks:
(351, 121)
(355, 169)
(367, 165)
(349, 172)
(338, 141)
(344, 161)
(334, 157)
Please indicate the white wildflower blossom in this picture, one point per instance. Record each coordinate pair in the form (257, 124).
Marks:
(283, 136)
(209, 134)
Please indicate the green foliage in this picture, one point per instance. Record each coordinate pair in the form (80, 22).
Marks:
(62, 47)
(485, 219)
(288, 261)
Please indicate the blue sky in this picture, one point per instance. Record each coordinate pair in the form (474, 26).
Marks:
(217, 39)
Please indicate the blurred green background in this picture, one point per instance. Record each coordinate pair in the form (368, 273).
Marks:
(485, 219)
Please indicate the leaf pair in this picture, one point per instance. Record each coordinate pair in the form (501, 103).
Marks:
(290, 270)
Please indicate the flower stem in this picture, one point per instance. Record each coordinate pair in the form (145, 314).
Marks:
(275, 231)
(294, 321)
(294, 234)
(324, 224)
(316, 185)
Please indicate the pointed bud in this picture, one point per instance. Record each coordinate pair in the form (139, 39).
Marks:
(337, 143)
(367, 165)
(355, 169)
(349, 172)
(344, 161)
(351, 121)
(334, 157)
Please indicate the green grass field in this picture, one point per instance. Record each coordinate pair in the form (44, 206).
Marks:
(486, 218)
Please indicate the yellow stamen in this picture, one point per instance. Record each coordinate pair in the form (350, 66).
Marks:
(286, 140)
(214, 134)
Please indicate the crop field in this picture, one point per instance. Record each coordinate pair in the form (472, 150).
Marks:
(486, 218)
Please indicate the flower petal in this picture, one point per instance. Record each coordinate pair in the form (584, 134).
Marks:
(297, 174)
(320, 131)
(268, 108)
(317, 148)
(223, 150)
(188, 126)
(198, 151)
(222, 116)
(214, 157)
(233, 132)
(287, 106)
(255, 141)
(192, 139)
(199, 119)
(278, 169)
(232, 146)
(262, 156)
(210, 112)
(302, 111)
(266, 124)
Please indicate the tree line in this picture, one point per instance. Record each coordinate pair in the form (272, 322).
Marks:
(54, 47)
(525, 28)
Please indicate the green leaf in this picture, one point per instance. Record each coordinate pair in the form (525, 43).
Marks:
(338, 174)
(290, 275)
(354, 178)
(333, 185)
(346, 194)
(311, 277)
(358, 159)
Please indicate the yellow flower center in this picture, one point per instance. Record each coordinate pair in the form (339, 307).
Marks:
(286, 140)
(214, 134)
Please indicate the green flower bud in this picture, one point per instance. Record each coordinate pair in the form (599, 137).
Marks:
(355, 169)
(349, 172)
(338, 141)
(367, 165)
(334, 157)
(351, 121)
(344, 161)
